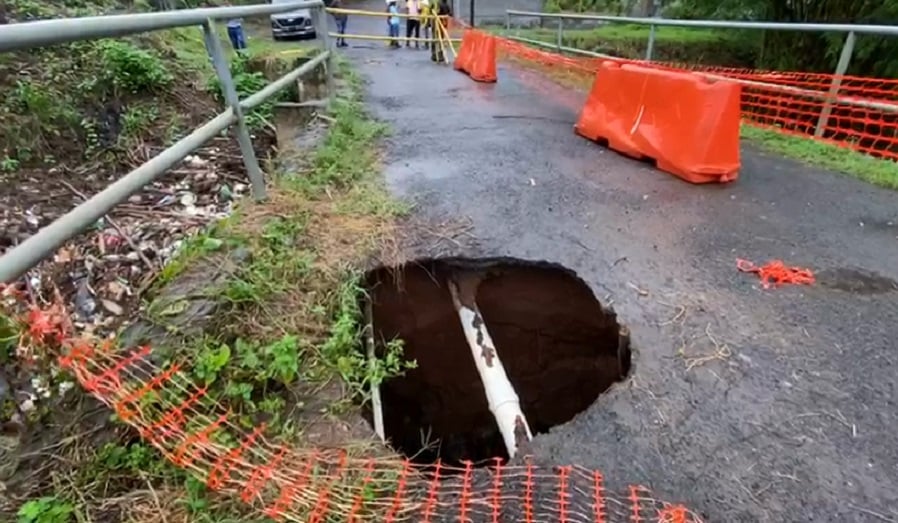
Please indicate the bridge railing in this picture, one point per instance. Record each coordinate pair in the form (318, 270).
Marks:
(45, 33)
(830, 97)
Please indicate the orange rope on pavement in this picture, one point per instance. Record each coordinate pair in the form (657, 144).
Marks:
(775, 273)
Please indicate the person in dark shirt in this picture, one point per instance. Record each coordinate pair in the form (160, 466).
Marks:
(440, 10)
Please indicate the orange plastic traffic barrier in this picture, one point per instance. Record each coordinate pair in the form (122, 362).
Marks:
(477, 56)
(686, 123)
(465, 55)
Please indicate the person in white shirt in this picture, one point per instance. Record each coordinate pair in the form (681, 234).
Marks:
(413, 22)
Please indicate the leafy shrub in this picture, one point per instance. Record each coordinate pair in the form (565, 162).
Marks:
(246, 83)
(46, 510)
(127, 68)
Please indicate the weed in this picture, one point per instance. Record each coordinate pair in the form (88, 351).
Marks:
(130, 69)
(247, 376)
(343, 349)
(8, 164)
(46, 510)
(246, 83)
(137, 120)
(134, 460)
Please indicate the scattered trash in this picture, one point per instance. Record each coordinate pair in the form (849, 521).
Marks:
(775, 273)
(98, 277)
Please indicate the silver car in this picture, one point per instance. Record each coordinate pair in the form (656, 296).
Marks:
(292, 24)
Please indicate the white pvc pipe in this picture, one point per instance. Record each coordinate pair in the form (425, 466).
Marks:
(500, 394)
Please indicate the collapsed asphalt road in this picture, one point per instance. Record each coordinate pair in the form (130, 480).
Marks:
(746, 404)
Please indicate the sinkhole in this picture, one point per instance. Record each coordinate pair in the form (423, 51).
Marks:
(559, 346)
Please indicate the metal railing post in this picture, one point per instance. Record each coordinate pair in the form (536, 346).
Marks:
(650, 47)
(220, 63)
(560, 35)
(841, 68)
(507, 22)
(326, 45)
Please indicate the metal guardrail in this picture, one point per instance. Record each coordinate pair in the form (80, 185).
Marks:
(831, 96)
(52, 32)
(888, 30)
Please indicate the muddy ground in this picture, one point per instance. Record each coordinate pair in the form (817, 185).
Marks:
(747, 404)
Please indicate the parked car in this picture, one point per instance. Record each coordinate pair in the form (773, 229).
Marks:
(292, 24)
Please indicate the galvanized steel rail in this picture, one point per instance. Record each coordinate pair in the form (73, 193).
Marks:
(887, 30)
(53, 32)
(831, 96)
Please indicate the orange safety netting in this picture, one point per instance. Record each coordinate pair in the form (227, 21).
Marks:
(861, 115)
(315, 485)
(775, 273)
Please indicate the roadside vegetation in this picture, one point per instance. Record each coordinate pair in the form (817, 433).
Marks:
(282, 346)
(874, 56)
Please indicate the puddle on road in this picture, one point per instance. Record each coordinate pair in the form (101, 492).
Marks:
(856, 281)
(559, 347)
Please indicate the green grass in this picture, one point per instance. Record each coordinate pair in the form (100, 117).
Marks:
(626, 32)
(883, 173)
(303, 245)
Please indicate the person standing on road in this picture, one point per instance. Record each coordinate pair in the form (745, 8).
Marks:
(413, 23)
(424, 9)
(340, 19)
(394, 23)
(441, 12)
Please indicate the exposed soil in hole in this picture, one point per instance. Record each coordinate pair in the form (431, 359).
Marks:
(560, 349)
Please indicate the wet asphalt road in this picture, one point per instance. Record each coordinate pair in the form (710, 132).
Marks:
(796, 419)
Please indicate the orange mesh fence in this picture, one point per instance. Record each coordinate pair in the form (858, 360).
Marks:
(315, 485)
(512, 49)
(861, 115)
